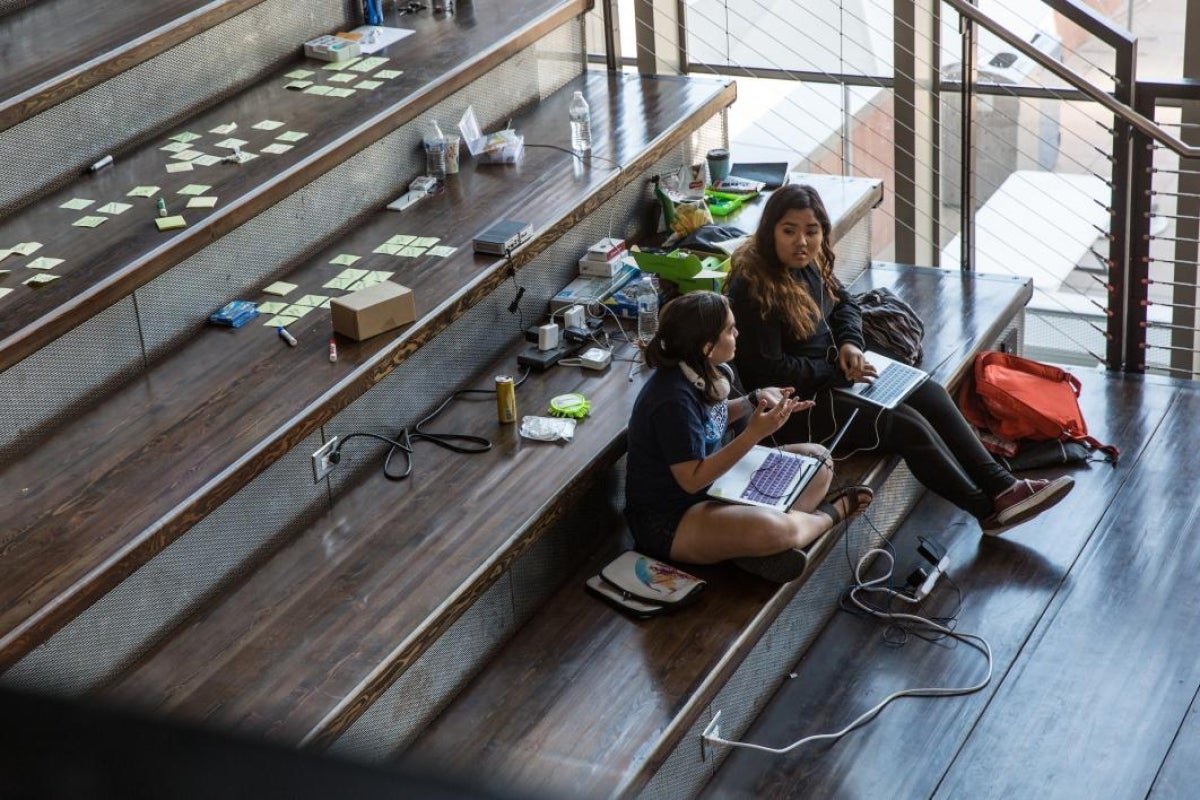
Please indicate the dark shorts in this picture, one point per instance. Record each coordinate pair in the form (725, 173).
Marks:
(654, 531)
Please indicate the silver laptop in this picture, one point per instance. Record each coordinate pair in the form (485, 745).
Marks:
(765, 477)
(894, 382)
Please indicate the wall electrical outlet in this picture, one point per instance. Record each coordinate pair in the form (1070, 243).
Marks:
(322, 465)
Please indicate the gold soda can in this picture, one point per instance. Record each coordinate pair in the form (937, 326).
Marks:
(506, 399)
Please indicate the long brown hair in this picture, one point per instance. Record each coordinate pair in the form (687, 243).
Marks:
(768, 282)
(686, 325)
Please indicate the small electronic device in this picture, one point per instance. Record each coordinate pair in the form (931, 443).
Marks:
(423, 184)
(547, 336)
(595, 358)
(502, 237)
(575, 317)
(540, 359)
(331, 48)
(405, 200)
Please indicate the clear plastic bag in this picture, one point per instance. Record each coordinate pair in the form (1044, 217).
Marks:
(548, 429)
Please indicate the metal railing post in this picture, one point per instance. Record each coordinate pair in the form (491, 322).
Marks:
(967, 145)
(1125, 329)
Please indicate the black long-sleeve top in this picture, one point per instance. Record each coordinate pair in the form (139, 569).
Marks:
(769, 354)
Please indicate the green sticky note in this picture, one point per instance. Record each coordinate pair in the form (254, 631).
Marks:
(77, 204)
(401, 238)
(368, 84)
(389, 249)
(441, 251)
(312, 300)
(185, 137)
(322, 90)
(412, 252)
(89, 222)
(352, 274)
(180, 166)
(338, 66)
(275, 322)
(344, 260)
(43, 262)
(194, 189)
(224, 130)
(388, 74)
(40, 280)
(271, 307)
(299, 74)
(363, 283)
(339, 283)
(113, 208)
(4, 292)
(142, 191)
(3, 255)
(297, 310)
(380, 275)
(298, 85)
(280, 288)
(343, 77)
(26, 248)
(207, 160)
(230, 144)
(290, 136)
(278, 148)
(202, 202)
(267, 125)
(368, 64)
(425, 241)
(170, 223)
(176, 147)
(185, 155)
(343, 92)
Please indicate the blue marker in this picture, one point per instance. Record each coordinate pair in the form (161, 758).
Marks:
(287, 337)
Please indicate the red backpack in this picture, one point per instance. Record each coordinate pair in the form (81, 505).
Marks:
(1016, 398)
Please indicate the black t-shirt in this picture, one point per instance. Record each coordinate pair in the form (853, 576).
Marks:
(671, 424)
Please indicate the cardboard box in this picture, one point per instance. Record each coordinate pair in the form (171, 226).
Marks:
(373, 310)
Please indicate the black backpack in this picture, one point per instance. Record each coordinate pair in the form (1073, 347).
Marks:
(890, 325)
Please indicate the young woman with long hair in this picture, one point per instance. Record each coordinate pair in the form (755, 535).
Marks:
(675, 453)
(801, 328)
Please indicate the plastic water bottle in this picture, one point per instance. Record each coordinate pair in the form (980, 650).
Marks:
(647, 307)
(581, 124)
(435, 151)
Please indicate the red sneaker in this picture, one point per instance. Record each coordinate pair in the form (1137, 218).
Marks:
(1024, 501)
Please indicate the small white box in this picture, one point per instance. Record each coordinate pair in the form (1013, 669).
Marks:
(599, 269)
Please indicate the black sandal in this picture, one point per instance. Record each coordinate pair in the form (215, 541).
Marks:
(863, 495)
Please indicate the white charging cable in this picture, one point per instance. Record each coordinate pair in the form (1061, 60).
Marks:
(978, 642)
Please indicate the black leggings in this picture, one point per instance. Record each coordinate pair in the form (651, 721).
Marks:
(927, 430)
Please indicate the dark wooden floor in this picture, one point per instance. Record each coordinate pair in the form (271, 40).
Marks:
(1093, 616)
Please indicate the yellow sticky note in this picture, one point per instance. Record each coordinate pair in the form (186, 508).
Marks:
(194, 189)
(389, 249)
(40, 280)
(77, 204)
(180, 166)
(280, 288)
(318, 90)
(267, 125)
(339, 283)
(412, 252)
(142, 191)
(299, 74)
(388, 74)
(401, 238)
(202, 202)
(26, 248)
(185, 137)
(170, 223)
(298, 85)
(224, 130)
(341, 92)
(380, 275)
(344, 260)
(186, 155)
(207, 160)
(441, 251)
(278, 148)
(352, 274)
(89, 222)
(43, 262)
(271, 307)
(296, 310)
(290, 136)
(4, 292)
(368, 64)
(368, 85)
(176, 147)
(275, 322)
(343, 77)
(425, 241)
(113, 208)
(313, 300)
